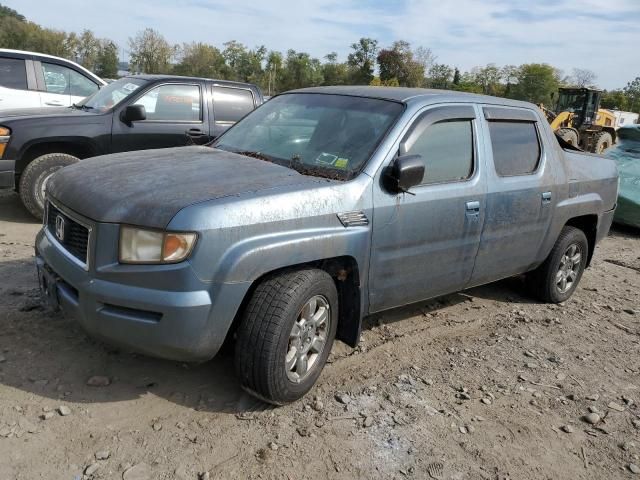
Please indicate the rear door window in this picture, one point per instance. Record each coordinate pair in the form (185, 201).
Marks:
(13, 73)
(231, 104)
(516, 147)
(57, 79)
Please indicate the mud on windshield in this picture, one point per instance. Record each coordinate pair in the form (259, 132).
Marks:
(322, 135)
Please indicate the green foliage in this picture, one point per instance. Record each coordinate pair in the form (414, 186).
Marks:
(10, 12)
(632, 91)
(537, 83)
(334, 72)
(200, 60)
(150, 52)
(440, 76)
(377, 82)
(362, 61)
(107, 60)
(398, 65)
(300, 70)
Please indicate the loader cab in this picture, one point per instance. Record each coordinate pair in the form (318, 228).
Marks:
(583, 103)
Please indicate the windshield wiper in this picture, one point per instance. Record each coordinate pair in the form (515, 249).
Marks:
(78, 106)
(252, 154)
(295, 163)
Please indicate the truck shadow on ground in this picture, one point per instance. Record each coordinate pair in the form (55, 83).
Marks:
(11, 209)
(50, 356)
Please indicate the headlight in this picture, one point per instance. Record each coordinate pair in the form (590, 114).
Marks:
(138, 245)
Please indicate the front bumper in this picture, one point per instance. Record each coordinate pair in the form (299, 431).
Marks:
(145, 316)
(7, 173)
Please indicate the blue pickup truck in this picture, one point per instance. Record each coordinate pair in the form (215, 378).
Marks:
(320, 207)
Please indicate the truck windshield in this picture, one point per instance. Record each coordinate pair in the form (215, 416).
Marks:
(316, 134)
(111, 95)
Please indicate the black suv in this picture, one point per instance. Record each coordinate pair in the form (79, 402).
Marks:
(134, 113)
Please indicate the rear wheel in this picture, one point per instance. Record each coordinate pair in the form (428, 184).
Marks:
(557, 278)
(34, 178)
(569, 135)
(602, 141)
(286, 334)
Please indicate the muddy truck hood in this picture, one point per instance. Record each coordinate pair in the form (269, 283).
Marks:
(147, 188)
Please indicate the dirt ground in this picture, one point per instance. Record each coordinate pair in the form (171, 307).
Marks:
(485, 384)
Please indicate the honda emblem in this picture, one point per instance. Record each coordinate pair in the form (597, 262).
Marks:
(60, 228)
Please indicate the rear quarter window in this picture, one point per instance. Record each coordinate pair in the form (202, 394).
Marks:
(13, 73)
(231, 104)
(516, 147)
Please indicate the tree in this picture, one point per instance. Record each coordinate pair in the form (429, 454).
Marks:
(440, 76)
(632, 91)
(107, 59)
(376, 82)
(488, 78)
(582, 77)
(10, 12)
(300, 70)
(425, 57)
(85, 49)
(201, 60)
(273, 70)
(150, 52)
(456, 76)
(615, 99)
(398, 62)
(333, 72)
(362, 60)
(510, 75)
(537, 83)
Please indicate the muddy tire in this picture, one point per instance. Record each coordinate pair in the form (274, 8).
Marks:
(34, 179)
(557, 278)
(286, 334)
(569, 135)
(602, 141)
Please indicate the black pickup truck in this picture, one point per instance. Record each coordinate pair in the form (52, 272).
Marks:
(134, 113)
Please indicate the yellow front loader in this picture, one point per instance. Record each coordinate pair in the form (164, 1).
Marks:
(579, 120)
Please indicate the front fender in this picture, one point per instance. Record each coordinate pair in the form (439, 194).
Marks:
(251, 258)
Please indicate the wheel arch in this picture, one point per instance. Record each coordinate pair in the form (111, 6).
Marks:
(345, 272)
(78, 147)
(589, 226)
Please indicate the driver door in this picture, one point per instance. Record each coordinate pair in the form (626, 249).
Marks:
(175, 117)
(425, 242)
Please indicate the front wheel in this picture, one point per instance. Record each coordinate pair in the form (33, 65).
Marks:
(286, 334)
(603, 142)
(33, 181)
(557, 278)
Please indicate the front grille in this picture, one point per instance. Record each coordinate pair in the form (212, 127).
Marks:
(75, 236)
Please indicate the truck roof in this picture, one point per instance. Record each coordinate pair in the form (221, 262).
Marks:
(26, 54)
(405, 95)
(154, 77)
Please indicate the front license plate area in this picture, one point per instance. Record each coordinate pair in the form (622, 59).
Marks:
(48, 282)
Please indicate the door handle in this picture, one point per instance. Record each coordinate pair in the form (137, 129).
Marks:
(53, 103)
(195, 132)
(546, 198)
(472, 209)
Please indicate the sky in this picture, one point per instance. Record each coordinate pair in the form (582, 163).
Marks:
(599, 35)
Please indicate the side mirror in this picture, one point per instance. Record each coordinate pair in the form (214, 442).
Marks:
(406, 172)
(134, 113)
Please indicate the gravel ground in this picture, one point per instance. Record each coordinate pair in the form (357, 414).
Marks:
(484, 384)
